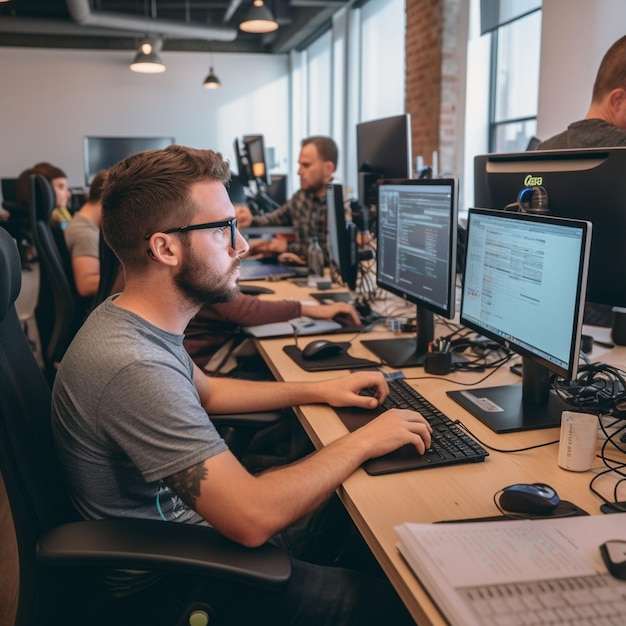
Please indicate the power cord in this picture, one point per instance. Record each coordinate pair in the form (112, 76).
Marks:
(460, 424)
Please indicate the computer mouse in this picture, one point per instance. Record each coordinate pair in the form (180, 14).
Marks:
(535, 498)
(322, 349)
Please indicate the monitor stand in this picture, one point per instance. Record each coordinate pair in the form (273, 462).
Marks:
(530, 405)
(402, 352)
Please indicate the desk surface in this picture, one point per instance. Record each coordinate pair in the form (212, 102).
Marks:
(378, 503)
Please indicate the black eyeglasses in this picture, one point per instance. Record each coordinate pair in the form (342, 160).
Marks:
(232, 223)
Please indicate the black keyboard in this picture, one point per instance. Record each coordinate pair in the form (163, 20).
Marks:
(449, 446)
(367, 321)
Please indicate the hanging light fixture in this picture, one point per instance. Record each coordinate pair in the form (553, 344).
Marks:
(258, 19)
(211, 81)
(147, 60)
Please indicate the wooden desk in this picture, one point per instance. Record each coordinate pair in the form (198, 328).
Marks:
(378, 503)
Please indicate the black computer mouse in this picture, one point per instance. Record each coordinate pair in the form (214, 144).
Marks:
(323, 349)
(535, 499)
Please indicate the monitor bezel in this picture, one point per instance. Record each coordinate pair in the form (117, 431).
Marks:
(577, 321)
(162, 141)
(246, 141)
(582, 183)
(345, 258)
(373, 160)
(448, 310)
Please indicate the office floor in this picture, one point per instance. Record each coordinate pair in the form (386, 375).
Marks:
(9, 569)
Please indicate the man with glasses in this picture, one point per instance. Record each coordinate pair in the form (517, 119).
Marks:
(131, 412)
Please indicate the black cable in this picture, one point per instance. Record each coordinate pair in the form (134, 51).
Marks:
(460, 424)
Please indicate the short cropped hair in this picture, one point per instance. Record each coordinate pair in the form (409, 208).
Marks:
(95, 189)
(151, 191)
(326, 148)
(612, 71)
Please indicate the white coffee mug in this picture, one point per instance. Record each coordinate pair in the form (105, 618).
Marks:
(577, 445)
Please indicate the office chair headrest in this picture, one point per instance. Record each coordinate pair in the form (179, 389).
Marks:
(44, 196)
(10, 272)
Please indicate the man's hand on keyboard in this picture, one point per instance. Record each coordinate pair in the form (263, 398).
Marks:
(393, 429)
(390, 430)
(346, 391)
(329, 311)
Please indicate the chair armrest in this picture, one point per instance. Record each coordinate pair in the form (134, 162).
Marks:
(163, 546)
(260, 419)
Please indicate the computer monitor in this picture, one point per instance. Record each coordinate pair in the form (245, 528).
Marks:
(524, 288)
(100, 153)
(586, 184)
(341, 237)
(416, 258)
(383, 149)
(244, 171)
(277, 189)
(254, 145)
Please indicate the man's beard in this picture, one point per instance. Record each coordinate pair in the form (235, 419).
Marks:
(202, 288)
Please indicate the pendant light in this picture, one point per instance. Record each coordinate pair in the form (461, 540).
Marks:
(147, 60)
(258, 19)
(211, 81)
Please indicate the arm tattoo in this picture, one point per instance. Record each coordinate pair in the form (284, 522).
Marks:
(187, 483)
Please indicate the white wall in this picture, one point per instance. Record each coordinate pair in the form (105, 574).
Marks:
(575, 36)
(51, 98)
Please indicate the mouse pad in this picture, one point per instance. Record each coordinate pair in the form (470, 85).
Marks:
(563, 509)
(341, 361)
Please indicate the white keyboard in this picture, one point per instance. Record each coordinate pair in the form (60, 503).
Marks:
(585, 601)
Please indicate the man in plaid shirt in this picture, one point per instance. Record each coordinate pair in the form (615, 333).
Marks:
(306, 210)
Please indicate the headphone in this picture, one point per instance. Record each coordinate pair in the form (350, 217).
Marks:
(533, 200)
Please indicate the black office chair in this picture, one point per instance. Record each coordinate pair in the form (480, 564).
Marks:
(56, 312)
(59, 555)
(239, 429)
(18, 222)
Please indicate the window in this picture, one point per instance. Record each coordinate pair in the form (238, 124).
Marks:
(354, 71)
(514, 80)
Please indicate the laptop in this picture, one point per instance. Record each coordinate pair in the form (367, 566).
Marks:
(260, 269)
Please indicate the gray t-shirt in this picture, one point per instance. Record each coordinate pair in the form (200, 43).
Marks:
(125, 415)
(592, 133)
(82, 237)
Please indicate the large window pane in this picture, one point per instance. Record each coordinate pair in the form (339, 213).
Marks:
(319, 85)
(517, 71)
(514, 136)
(383, 27)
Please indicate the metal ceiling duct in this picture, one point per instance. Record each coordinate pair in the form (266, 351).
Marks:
(81, 13)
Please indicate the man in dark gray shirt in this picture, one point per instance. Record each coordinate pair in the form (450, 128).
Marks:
(603, 126)
(605, 122)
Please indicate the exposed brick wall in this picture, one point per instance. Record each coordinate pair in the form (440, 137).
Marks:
(432, 82)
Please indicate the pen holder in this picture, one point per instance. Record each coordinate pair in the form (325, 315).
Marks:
(438, 363)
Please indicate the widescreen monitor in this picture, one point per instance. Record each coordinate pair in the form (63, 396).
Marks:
(524, 288)
(341, 237)
(100, 153)
(587, 184)
(383, 148)
(416, 258)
